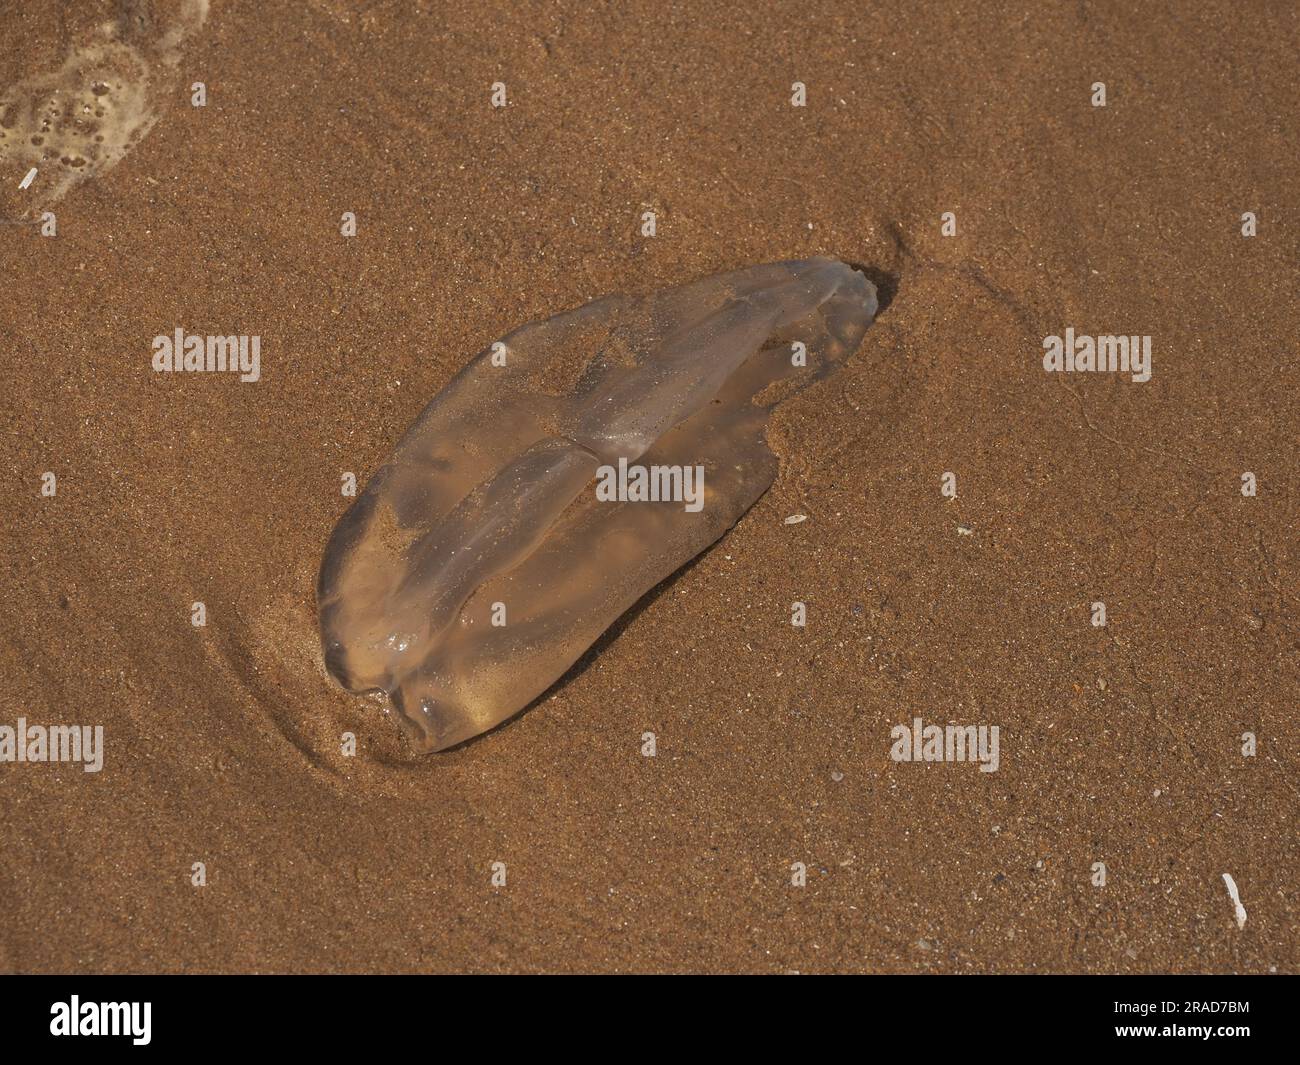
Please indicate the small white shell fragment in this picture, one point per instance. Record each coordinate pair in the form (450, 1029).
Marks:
(795, 519)
(31, 176)
(1236, 899)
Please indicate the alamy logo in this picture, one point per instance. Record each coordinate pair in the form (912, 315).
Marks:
(946, 743)
(102, 1018)
(57, 743)
(180, 353)
(1102, 354)
(651, 484)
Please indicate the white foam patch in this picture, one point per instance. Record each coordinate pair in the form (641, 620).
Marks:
(81, 119)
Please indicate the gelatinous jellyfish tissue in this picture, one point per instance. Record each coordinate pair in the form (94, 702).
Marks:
(567, 470)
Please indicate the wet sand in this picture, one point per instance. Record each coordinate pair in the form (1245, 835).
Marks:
(1120, 744)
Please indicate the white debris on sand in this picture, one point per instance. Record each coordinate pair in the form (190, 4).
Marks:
(795, 519)
(1236, 899)
(31, 176)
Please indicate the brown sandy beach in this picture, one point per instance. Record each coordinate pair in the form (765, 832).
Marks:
(1121, 744)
